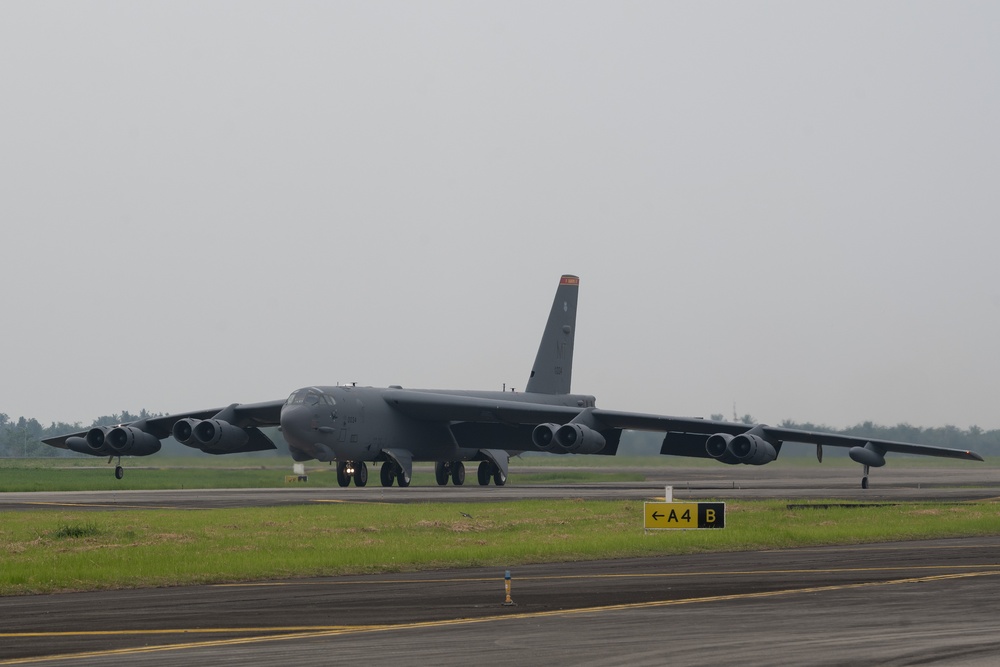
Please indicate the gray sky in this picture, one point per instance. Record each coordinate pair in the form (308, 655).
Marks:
(789, 205)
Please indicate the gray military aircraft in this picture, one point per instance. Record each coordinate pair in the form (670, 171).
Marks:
(395, 426)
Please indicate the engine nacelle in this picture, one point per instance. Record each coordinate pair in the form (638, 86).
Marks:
(579, 439)
(544, 437)
(84, 446)
(752, 449)
(744, 448)
(717, 445)
(567, 439)
(219, 436)
(183, 432)
(867, 455)
(97, 441)
(131, 441)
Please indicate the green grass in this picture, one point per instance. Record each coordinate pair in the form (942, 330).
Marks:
(48, 551)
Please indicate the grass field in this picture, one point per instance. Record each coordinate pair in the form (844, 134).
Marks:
(51, 551)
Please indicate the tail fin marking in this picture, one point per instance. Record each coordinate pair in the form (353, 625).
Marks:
(552, 372)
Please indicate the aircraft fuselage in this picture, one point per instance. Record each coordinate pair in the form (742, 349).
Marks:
(349, 423)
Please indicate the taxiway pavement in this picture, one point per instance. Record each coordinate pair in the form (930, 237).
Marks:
(928, 602)
(972, 482)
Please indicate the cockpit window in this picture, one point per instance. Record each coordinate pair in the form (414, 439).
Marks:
(310, 397)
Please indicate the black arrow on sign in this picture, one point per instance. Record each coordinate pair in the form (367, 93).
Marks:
(656, 516)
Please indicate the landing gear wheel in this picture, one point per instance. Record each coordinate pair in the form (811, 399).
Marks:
(864, 482)
(388, 473)
(441, 473)
(458, 473)
(361, 474)
(343, 478)
(499, 478)
(402, 478)
(484, 473)
(119, 472)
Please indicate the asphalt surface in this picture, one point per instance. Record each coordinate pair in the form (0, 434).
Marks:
(930, 602)
(972, 482)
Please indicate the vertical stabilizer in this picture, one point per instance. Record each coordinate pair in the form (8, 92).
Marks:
(553, 369)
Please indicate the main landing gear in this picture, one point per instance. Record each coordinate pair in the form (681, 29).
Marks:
(393, 472)
(488, 469)
(348, 470)
(455, 471)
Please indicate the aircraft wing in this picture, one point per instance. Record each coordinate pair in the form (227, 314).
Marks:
(158, 426)
(690, 434)
(246, 417)
(837, 440)
(683, 436)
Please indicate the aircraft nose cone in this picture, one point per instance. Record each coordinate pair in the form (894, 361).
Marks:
(296, 425)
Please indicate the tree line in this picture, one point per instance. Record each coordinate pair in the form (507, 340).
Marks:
(22, 438)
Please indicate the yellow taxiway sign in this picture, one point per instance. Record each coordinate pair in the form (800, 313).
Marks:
(684, 515)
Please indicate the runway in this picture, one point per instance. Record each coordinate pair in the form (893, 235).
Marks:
(972, 482)
(931, 602)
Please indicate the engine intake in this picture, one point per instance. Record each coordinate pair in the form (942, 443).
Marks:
(131, 441)
(579, 439)
(570, 438)
(752, 449)
(544, 437)
(183, 432)
(97, 439)
(93, 443)
(744, 448)
(219, 436)
(717, 447)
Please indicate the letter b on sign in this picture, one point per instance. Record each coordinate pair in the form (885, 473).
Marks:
(711, 515)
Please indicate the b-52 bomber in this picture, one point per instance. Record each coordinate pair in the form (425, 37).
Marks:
(354, 426)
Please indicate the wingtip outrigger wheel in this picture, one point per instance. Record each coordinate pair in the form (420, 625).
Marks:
(864, 480)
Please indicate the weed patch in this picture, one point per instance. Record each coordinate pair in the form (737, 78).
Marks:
(76, 531)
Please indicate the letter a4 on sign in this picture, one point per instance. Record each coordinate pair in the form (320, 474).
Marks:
(666, 516)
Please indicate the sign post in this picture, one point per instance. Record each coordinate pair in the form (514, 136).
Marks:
(683, 516)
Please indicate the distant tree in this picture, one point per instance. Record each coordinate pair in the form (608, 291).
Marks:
(22, 438)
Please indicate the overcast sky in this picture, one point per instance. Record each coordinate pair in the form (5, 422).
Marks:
(793, 206)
